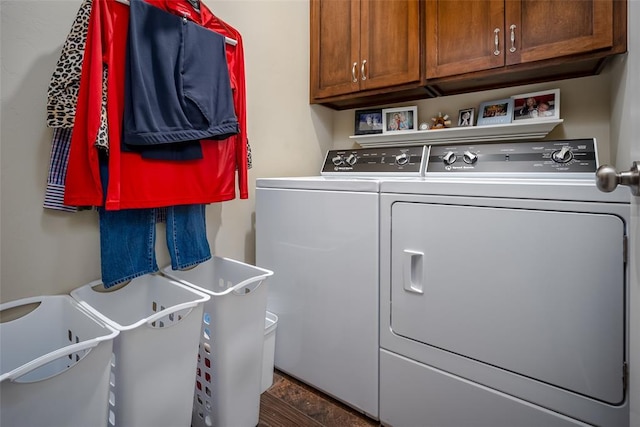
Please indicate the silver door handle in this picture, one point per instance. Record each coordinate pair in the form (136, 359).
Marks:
(412, 274)
(513, 38)
(607, 179)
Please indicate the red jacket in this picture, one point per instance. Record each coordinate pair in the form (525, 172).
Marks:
(135, 182)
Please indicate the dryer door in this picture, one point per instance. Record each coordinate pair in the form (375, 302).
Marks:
(538, 293)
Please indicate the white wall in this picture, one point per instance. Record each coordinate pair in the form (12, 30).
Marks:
(45, 252)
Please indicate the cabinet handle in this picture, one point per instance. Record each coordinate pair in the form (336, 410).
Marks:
(496, 32)
(362, 73)
(513, 38)
(354, 77)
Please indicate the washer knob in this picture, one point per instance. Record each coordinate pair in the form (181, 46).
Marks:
(402, 159)
(470, 157)
(449, 158)
(563, 155)
(338, 160)
(352, 159)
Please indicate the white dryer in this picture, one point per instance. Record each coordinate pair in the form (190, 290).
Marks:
(320, 236)
(504, 298)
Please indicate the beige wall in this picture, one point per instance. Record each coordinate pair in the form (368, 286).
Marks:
(46, 252)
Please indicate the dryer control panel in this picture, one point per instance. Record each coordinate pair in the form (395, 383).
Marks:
(388, 161)
(540, 157)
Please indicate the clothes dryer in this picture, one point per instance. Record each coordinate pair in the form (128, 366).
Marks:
(504, 298)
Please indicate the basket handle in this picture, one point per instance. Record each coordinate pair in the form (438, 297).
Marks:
(49, 357)
(167, 311)
(242, 287)
(21, 302)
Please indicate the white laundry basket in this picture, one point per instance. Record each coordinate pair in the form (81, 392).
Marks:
(268, 358)
(55, 362)
(154, 355)
(228, 381)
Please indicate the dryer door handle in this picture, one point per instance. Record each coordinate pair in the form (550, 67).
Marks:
(412, 271)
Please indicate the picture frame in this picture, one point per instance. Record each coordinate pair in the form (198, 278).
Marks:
(466, 117)
(529, 106)
(368, 121)
(496, 112)
(400, 120)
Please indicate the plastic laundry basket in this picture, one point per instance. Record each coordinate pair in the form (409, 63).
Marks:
(227, 385)
(154, 355)
(54, 364)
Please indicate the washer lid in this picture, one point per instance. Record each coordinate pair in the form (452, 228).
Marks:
(341, 183)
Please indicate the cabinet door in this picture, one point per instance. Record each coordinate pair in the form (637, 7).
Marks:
(461, 36)
(547, 29)
(390, 43)
(335, 47)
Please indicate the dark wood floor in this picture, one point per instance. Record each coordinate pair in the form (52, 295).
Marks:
(289, 403)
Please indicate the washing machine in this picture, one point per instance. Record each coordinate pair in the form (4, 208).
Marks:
(504, 290)
(320, 236)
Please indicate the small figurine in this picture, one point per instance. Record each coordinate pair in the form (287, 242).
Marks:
(424, 126)
(440, 121)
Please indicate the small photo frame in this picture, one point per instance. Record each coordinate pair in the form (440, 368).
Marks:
(537, 105)
(403, 119)
(495, 112)
(368, 122)
(466, 117)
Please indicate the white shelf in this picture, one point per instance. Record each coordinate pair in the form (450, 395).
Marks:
(530, 129)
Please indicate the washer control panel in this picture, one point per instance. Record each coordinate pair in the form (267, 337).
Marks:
(391, 161)
(560, 156)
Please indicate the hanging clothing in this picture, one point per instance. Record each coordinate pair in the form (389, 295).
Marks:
(177, 86)
(128, 238)
(54, 193)
(136, 182)
(62, 94)
(235, 59)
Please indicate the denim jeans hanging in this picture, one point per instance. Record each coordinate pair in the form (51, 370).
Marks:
(128, 239)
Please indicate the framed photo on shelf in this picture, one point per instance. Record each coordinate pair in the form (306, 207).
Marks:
(495, 112)
(368, 122)
(537, 105)
(403, 119)
(465, 117)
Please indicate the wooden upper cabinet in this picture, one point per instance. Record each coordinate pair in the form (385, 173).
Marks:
(359, 45)
(474, 35)
(461, 36)
(335, 47)
(544, 29)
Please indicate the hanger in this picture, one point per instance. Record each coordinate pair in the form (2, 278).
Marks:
(227, 40)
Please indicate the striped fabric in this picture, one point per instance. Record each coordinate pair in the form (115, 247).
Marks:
(54, 193)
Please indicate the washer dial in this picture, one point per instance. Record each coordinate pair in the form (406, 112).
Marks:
(449, 158)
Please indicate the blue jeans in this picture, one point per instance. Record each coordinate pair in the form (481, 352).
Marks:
(128, 239)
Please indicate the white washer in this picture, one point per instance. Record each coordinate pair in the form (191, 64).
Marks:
(504, 298)
(320, 236)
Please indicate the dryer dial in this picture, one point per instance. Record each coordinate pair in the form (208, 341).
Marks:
(563, 155)
(352, 159)
(338, 160)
